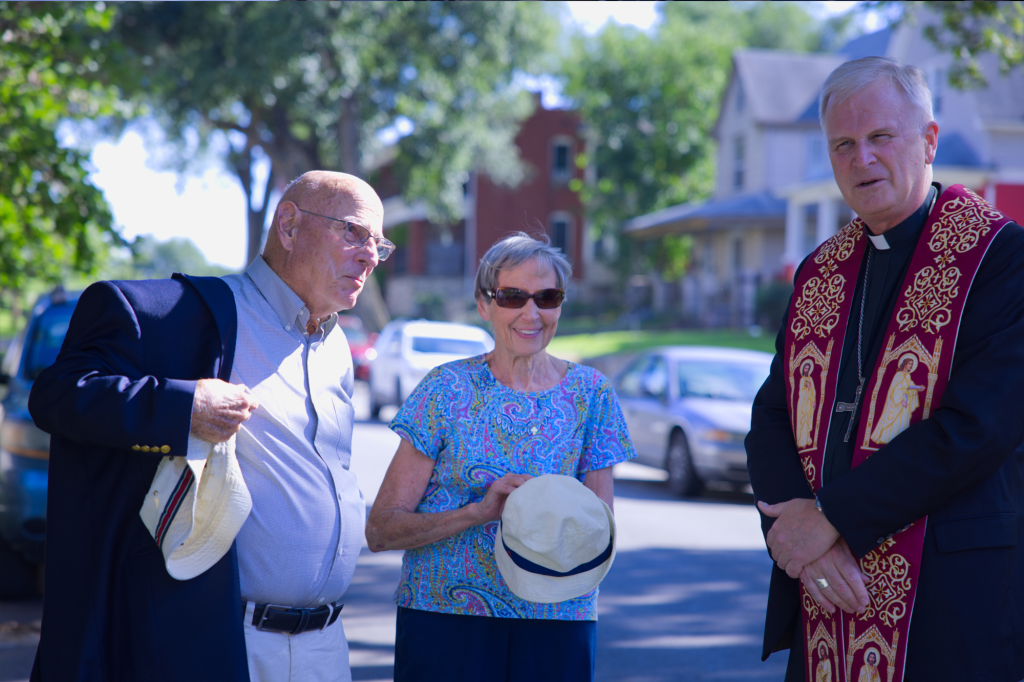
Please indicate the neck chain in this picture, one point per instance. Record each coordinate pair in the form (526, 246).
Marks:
(852, 407)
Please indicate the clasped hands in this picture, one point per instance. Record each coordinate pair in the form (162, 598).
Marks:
(805, 545)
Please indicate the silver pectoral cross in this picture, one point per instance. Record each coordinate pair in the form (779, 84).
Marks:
(852, 408)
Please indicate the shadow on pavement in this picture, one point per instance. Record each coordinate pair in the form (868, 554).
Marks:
(665, 615)
(671, 614)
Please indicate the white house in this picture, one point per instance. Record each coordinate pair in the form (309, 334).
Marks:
(775, 198)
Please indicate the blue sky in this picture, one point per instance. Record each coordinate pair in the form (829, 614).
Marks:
(210, 208)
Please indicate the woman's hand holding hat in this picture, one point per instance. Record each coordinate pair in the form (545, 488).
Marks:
(493, 504)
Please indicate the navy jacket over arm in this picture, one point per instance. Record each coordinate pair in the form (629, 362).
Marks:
(126, 376)
(963, 468)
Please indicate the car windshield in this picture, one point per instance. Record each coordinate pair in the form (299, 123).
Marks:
(47, 338)
(721, 379)
(433, 344)
(355, 337)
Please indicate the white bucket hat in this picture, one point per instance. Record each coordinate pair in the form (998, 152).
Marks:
(555, 540)
(196, 506)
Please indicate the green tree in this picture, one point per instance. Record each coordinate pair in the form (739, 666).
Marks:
(650, 101)
(967, 30)
(53, 222)
(153, 259)
(313, 85)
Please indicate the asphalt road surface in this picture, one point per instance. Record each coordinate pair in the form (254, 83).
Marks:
(684, 600)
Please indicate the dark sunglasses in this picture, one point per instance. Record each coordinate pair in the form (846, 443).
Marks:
(508, 297)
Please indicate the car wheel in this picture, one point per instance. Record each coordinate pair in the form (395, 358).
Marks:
(682, 477)
(21, 579)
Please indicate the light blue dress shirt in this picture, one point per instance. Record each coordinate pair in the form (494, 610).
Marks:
(300, 543)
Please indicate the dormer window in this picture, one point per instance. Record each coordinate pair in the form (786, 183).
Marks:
(741, 98)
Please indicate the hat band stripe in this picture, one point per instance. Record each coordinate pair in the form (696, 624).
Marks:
(527, 565)
(171, 510)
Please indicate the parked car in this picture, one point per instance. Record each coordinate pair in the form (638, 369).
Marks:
(360, 343)
(24, 449)
(406, 351)
(688, 411)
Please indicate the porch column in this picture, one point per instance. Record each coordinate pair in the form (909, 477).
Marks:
(796, 227)
(828, 216)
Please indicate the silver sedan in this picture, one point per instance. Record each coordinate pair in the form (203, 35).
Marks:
(688, 411)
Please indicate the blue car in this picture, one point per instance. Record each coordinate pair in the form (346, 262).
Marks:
(688, 411)
(24, 449)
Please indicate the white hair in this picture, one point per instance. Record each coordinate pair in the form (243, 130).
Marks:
(856, 75)
(513, 251)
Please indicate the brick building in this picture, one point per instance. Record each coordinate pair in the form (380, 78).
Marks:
(431, 274)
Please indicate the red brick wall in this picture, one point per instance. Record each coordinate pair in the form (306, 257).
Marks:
(501, 210)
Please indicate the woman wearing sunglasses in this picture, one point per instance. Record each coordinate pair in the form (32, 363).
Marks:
(472, 432)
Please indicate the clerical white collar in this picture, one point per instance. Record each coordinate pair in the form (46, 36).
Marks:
(879, 241)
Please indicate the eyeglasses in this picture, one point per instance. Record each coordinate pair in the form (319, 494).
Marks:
(509, 297)
(357, 235)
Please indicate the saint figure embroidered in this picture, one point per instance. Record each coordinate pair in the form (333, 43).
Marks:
(805, 407)
(823, 673)
(900, 403)
(869, 673)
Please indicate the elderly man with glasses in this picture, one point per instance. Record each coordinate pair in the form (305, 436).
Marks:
(151, 368)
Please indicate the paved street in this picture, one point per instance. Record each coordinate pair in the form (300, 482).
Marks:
(684, 601)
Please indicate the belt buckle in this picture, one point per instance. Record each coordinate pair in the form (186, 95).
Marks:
(264, 614)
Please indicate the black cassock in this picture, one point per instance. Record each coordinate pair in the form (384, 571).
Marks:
(963, 468)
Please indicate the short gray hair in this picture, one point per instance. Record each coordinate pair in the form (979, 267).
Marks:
(850, 78)
(513, 251)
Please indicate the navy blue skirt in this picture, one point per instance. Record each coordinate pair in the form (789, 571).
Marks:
(444, 647)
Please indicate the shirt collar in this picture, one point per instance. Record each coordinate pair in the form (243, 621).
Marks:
(285, 303)
(907, 231)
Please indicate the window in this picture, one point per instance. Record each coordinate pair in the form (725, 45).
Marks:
(646, 378)
(737, 163)
(560, 225)
(561, 159)
(938, 80)
(818, 165)
(741, 97)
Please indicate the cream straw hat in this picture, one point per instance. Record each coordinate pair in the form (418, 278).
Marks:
(555, 540)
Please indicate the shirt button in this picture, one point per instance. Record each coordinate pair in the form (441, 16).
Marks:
(288, 327)
(880, 540)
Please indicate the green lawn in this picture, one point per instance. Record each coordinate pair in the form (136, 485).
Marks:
(579, 346)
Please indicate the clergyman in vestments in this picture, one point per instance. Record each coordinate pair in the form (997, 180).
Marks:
(805, 406)
(901, 402)
(950, 486)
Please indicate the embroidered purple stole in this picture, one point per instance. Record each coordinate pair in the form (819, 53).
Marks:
(904, 387)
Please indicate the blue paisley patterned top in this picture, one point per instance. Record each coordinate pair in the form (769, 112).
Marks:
(476, 430)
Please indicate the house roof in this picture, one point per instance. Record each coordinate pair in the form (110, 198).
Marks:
(780, 86)
(871, 45)
(955, 150)
(695, 217)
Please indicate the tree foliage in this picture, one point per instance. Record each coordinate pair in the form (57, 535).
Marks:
(968, 30)
(53, 222)
(313, 85)
(650, 101)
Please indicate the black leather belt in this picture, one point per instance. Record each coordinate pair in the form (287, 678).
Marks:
(294, 621)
